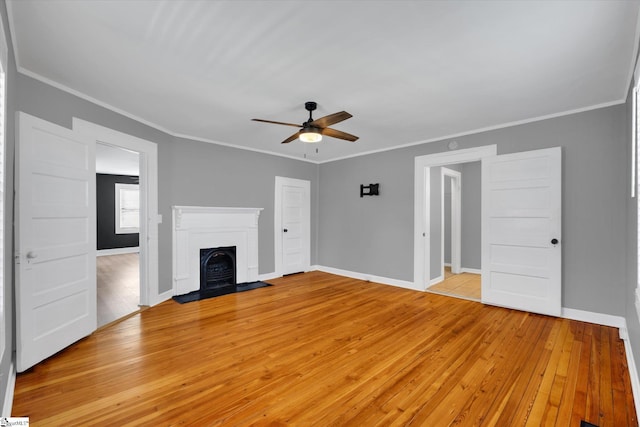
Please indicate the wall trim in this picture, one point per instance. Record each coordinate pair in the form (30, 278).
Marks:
(471, 270)
(269, 276)
(633, 370)
(164, 296)
(435, 280)
(367, 277)
(20, 69)
(7, 405)
(485, 129)
(592, 317)
(118, 251)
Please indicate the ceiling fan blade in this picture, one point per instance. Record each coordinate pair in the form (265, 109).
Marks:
(292, 137)
(339, 134)
(276, 123)
(331, 119)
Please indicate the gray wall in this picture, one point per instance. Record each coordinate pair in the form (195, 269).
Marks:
(356, 234)
(189, 172)
(471, 215)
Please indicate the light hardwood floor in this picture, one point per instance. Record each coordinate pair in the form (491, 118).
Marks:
(463, 285)
(324, 350)
(118, 286)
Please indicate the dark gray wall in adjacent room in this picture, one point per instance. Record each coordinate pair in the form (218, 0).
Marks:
(189, 172)
(105, 212)
(375, 236)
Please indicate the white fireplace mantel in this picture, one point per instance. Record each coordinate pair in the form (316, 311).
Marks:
(199, 227)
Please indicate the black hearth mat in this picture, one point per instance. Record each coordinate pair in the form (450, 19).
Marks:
(197, 295)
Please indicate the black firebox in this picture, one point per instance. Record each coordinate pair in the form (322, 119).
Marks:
(217, 268)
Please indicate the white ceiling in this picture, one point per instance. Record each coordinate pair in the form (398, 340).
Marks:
(408, 71)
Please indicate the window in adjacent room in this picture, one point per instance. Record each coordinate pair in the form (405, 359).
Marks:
(127, 208)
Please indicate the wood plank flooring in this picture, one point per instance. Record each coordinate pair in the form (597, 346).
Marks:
(118, 286)
(463, 285)
(324, 350)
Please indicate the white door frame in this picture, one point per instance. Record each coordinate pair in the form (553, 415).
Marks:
(149, 285)
(277, 221)
(455, 219)
(422, 218)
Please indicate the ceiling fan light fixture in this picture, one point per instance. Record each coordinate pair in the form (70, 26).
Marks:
(310, 136)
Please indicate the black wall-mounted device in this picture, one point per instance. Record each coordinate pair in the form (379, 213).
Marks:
(371, 190)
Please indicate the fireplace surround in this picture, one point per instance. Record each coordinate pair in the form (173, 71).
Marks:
(196, 228)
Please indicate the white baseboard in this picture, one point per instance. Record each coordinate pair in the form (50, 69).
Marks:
(7, 405)
(268, 276)
(597, 318)
(368, 277)
(118, 251)
(436, 280)
(471, 270)
(615, 322)
(633, 370)
(161, 297)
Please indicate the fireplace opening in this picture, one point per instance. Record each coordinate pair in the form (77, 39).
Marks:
(217, 268)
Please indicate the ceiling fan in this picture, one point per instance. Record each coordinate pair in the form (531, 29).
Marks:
(313, 130)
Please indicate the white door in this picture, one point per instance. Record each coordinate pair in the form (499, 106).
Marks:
(521, 254)
(293, 225)
(55, 239)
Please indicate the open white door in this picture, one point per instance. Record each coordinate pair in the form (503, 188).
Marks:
(521, 227)
(292, 225)
(55, 239)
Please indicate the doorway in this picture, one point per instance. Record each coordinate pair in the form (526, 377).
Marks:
(428, 243)
(149, 292)
(455, 205)
(118, 231)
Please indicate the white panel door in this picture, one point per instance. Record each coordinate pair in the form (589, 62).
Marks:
(55, 239)
(521, 254)
(295, 225)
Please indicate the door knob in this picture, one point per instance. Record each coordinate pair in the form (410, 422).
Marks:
(554, 241)
(31, 255)
(285, 230)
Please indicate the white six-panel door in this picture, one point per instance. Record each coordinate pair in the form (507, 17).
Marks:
(521, 226)
(55, 239)
(293, 207)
